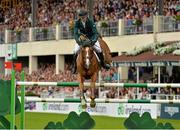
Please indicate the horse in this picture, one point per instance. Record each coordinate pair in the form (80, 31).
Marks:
(87, 68)
(106, 51)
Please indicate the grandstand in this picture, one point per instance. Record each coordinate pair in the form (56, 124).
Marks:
(42, 33)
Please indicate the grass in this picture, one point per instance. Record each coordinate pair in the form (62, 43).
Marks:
(40, 120)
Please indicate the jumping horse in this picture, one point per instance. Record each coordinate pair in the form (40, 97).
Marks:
(88, 67)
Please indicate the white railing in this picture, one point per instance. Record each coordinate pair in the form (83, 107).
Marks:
(18, 36)
(42, 34)
(169, 24)
(146, 26)
(102, 94)
(113, 28)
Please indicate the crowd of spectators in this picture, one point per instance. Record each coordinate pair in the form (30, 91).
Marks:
(46, 72)
(51, 12)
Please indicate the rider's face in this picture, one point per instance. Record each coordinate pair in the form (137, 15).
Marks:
(83, 18)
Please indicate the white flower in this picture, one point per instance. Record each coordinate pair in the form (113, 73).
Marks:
(176, 52)
(159, 48)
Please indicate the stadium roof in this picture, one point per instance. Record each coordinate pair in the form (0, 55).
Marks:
(147, 58)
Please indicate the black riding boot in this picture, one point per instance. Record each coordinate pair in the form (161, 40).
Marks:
(74, 63)
(103, 64)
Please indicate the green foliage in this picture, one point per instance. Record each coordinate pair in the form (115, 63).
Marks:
(74, 121)
(45, 30)
(31, 94)
(177, 18)
(104, 24)
(5, 123)
(136, 122)
(144, 122)
(5, 98)
(166, 126)
(137, 22)
(28, 94)
(52, 125)
(83, 121)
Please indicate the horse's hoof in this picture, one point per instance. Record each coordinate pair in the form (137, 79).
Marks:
(84, 106)
(83, 103)
(93, 104)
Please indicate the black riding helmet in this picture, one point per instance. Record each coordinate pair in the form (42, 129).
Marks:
(82, 12)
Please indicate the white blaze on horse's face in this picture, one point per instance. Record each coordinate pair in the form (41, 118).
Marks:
(87, 57)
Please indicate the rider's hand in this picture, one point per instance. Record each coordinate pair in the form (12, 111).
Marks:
(93, 42)
(87, 42)
(82, 38)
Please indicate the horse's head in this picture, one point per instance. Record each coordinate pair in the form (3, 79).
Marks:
(87, 55)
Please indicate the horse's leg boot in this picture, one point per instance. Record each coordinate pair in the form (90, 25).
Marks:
(103, 64)
(92, 103)
(74, 63)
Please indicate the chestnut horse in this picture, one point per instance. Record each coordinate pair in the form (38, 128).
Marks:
(87, 68)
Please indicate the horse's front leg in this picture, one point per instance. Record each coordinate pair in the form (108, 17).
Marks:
(81, 87)
(93, 86)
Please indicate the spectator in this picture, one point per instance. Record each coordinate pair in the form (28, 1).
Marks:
(51, 12)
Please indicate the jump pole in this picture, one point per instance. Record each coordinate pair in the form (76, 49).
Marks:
(22, 123)
(12, 112)
(77, 100)
(22, 83)
(124, 85)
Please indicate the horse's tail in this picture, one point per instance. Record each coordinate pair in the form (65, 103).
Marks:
(106, 50)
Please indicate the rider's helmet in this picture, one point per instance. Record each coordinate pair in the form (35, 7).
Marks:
(82, 12)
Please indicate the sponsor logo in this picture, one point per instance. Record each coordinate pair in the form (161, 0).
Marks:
(97, 109)
(171, 110)
(134, 108)
(58, 107)
(120, 109)
(80, 108)
(126, 109)
(30, 105)
(45, 106)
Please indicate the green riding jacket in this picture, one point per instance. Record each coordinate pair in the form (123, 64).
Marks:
(89, 30)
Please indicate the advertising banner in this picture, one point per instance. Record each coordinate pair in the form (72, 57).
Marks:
(106, 109)
(170, 111)
(125, 109)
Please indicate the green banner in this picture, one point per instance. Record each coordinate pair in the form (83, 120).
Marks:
(5, 98)
(1, 66)
(11, 51)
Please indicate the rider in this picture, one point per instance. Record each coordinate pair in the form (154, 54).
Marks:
(85, 26)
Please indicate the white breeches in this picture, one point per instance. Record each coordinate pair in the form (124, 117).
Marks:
(96, 47)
